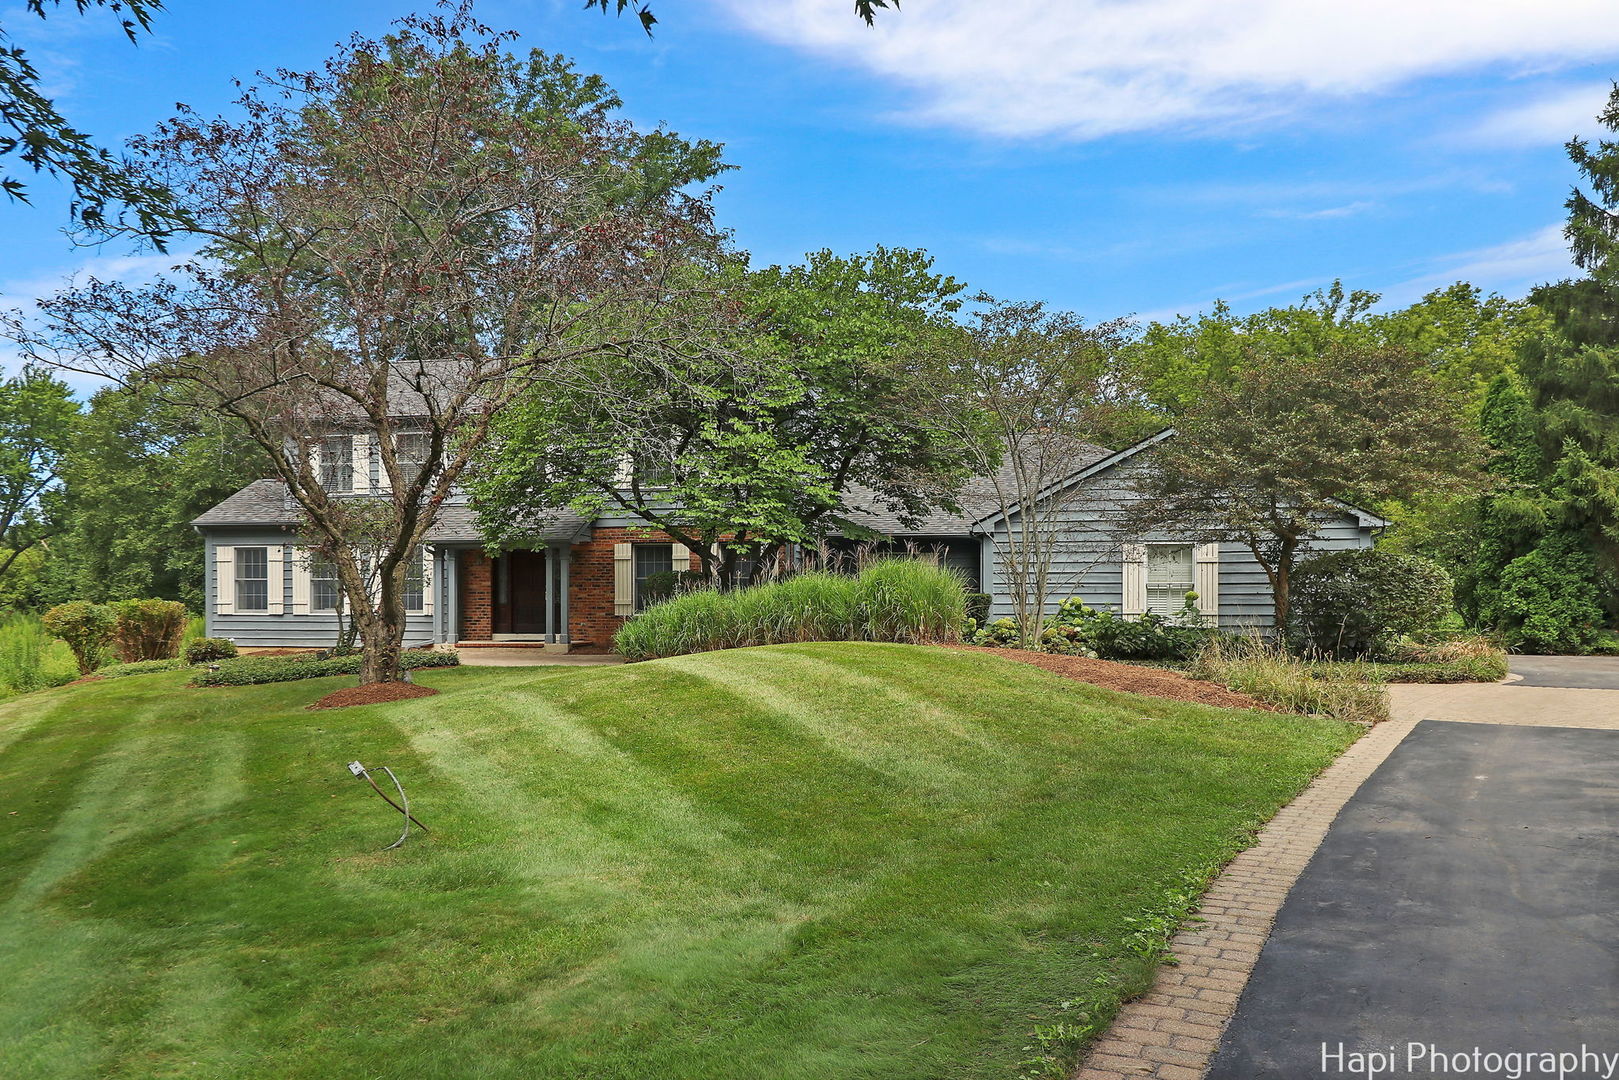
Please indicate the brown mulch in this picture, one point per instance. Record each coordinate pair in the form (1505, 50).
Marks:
(1131, 678)
(372, 693)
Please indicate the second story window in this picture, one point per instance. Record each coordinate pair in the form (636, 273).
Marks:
(410, 449)
(337, 463)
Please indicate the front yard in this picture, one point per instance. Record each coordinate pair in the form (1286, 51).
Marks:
(806, 861)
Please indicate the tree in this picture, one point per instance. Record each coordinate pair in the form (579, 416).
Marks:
(38, 420)
(806, 400)
(1264, 459)
(393, 245)
(1026, 389)
(44, 140)
(1593, 220)
(139, 470)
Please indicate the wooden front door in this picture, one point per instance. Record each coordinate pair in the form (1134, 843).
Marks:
(520, 593)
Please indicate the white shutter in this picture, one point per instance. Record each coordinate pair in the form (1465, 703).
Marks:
(427, 581)
(224, 581)
(680, 558)
(1206, 560)
(277, 582)
(361, 450)
(382, 485)
(623, 579)
(301, 588)
(1133, 600)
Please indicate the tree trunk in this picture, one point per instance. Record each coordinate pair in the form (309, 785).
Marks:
(1282, 586)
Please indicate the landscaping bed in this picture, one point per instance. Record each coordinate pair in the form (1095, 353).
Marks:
(373, 694)
(1155, 681)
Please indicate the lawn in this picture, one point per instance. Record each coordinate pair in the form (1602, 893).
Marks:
(806, 861)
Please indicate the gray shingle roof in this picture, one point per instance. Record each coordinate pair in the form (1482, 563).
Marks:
(977, 497)
(265, 503)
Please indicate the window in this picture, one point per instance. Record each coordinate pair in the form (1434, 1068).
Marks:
(410, 450)
(337, 463)
(1169, 577)
(324, 592)
(252, 579)
(650, 559)
(415, 582)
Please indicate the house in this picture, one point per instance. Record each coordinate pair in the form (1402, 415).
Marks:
(589, 575)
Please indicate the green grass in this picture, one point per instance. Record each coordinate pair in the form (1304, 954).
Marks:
(806, 861)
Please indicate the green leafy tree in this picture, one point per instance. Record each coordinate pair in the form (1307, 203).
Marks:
(43, 140)
(806, 399)
(1264, 459)
(140, 469)
(38, 422)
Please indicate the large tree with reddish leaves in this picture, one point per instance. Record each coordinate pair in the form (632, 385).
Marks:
(391, 245)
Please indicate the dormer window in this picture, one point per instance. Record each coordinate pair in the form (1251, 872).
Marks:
(337, 463)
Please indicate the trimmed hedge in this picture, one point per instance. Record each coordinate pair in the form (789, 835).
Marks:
(138, 667)
(1356, 603)
(253, 670)
(205, 649)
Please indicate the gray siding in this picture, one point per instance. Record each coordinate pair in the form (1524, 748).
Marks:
(305, 631)
(1089, 562)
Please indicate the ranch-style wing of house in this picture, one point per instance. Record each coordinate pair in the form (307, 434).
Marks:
(584, 578)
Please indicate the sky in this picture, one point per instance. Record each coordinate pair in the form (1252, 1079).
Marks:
(1110, 157)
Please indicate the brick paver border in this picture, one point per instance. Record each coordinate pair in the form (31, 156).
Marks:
(1171, 1032)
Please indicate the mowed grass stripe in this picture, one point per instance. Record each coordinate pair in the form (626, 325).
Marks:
(800, 862)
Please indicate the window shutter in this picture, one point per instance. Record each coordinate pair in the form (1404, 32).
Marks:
(276, 583)
(1133, 600)
(427, 581)
(300, 581)
(623, 579)
(680, 558)
(1206, 560)
(224, 581)
(361, 450)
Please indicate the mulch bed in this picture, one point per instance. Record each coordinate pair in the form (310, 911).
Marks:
(372, 693)
(1154, 682)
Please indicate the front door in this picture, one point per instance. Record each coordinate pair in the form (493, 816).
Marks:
(520, 593)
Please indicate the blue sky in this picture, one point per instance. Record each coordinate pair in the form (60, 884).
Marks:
(1107, 156)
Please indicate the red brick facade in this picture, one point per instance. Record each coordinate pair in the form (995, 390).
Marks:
(591, 621)
(477, 591)
(590, 584)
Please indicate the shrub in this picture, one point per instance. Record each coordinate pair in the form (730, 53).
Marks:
(901, 600)
(148, 629)
(1112, 637)
(1265, 670)
(253, 670)
(86, 628)
(666, 583)
(138, 667)
(1548, 601)
(30, 657)
(1356, 603)
(978, 607)
(205, 649)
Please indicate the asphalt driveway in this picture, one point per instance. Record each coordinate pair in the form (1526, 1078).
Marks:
(1466, 897)
(1576, 672)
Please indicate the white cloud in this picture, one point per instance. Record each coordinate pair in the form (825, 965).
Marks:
(1549, 119)
(1084, 69)
(1325, 213)
(1510, 268)
(20, 294)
